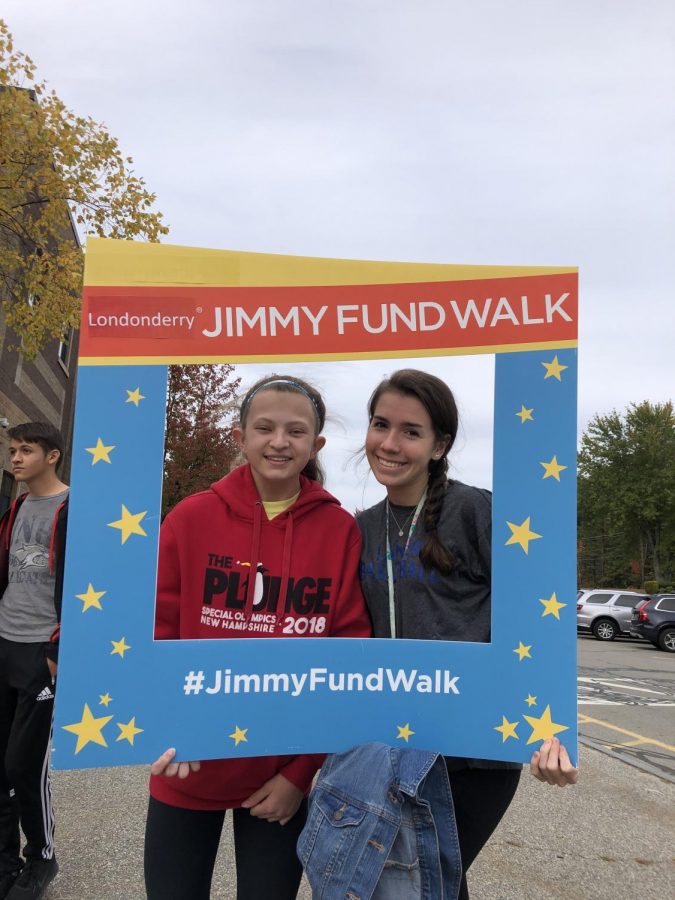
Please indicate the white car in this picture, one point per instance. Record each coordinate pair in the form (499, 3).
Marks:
(606, 613)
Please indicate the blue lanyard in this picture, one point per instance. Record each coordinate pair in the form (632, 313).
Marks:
(390, 570)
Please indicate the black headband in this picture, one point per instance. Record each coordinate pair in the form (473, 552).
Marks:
(289, 381)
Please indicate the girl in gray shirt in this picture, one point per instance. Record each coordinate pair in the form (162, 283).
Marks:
(426, 572)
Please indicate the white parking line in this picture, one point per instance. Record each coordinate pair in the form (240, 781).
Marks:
(601, 702)
(624, 686)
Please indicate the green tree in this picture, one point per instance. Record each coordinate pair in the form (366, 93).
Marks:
(627, 495)
(53, 163)
(200, 411)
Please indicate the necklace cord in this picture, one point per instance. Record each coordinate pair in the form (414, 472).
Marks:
(400, 528)
(390, 568)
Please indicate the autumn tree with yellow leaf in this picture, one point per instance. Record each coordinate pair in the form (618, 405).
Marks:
(53, 164)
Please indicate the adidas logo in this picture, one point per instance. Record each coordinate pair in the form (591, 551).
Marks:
(45, 694)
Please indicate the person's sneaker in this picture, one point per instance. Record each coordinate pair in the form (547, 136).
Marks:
(7, 882)
(34, 879)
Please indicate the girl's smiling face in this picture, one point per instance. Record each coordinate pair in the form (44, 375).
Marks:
(400, 443)
(278, 439)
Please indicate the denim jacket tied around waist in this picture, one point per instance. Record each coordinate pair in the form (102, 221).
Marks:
(381, 826)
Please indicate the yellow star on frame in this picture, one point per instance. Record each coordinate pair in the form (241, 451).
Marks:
(129, 524)
(553, 369)
(90, 598)
(522, 650)
(405, 732)
(552, 469)
(525, 415)
(129, 731)
(120, 647)
(543, 728)
(507, 729)
(552, 607)
(105, 699)
(521, 534)
(100, 453)
(88, 729)
(530, 700)
(135, 397)
(238, 735)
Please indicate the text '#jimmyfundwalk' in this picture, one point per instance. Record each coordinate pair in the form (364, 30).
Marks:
(225, 681)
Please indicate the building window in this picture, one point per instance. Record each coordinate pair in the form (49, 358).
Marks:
(64, 348)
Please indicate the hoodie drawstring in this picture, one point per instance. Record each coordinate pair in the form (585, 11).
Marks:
(286, 561)
(255, 560)
(255, 549)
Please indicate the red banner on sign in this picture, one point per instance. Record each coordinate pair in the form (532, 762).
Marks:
(248, 322)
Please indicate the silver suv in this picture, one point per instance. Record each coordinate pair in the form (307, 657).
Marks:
(606, 613)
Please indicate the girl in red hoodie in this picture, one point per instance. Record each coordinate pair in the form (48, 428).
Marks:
(267, 540)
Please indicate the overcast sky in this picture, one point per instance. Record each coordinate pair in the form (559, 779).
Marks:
(517, 133)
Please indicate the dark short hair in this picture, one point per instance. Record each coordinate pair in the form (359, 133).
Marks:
(42, 433)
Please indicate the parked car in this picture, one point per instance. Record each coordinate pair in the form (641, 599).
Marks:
(606, 613)
(655, 621)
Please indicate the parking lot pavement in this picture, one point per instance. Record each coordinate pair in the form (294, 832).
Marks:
(627, 703)
(608, 838)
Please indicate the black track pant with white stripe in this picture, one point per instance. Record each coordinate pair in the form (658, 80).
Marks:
(26, 708)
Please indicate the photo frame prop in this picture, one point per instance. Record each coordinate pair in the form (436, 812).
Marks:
(123, 698)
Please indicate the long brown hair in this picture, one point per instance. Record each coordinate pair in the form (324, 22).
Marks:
(439, 402)
(290, 384)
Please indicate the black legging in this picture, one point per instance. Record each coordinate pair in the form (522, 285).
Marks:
(181, 846)
(481, 797)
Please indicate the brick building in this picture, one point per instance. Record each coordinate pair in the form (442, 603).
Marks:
(42, 389)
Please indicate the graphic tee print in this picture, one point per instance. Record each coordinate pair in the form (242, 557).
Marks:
(27, 612)
(305, 607)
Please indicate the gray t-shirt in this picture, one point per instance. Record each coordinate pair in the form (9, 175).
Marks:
(431, 606)
(428, 605)
(27, 612)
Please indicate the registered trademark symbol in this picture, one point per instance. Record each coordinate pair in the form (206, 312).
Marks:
(199, 309)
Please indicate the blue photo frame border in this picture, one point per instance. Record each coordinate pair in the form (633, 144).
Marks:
(121, 696)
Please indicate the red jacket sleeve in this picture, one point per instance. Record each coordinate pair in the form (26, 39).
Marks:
(301, 770)
(350, 619)
(167, 609)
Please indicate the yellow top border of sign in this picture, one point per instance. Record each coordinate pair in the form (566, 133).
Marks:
(132, 263)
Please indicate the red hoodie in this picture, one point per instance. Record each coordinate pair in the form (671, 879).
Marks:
(223, 567)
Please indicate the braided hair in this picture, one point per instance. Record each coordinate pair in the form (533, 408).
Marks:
(291, 384)
(439, 402)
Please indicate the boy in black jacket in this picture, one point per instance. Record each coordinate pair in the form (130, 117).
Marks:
(32, 543)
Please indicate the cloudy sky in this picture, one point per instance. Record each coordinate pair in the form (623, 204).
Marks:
(516, 133)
